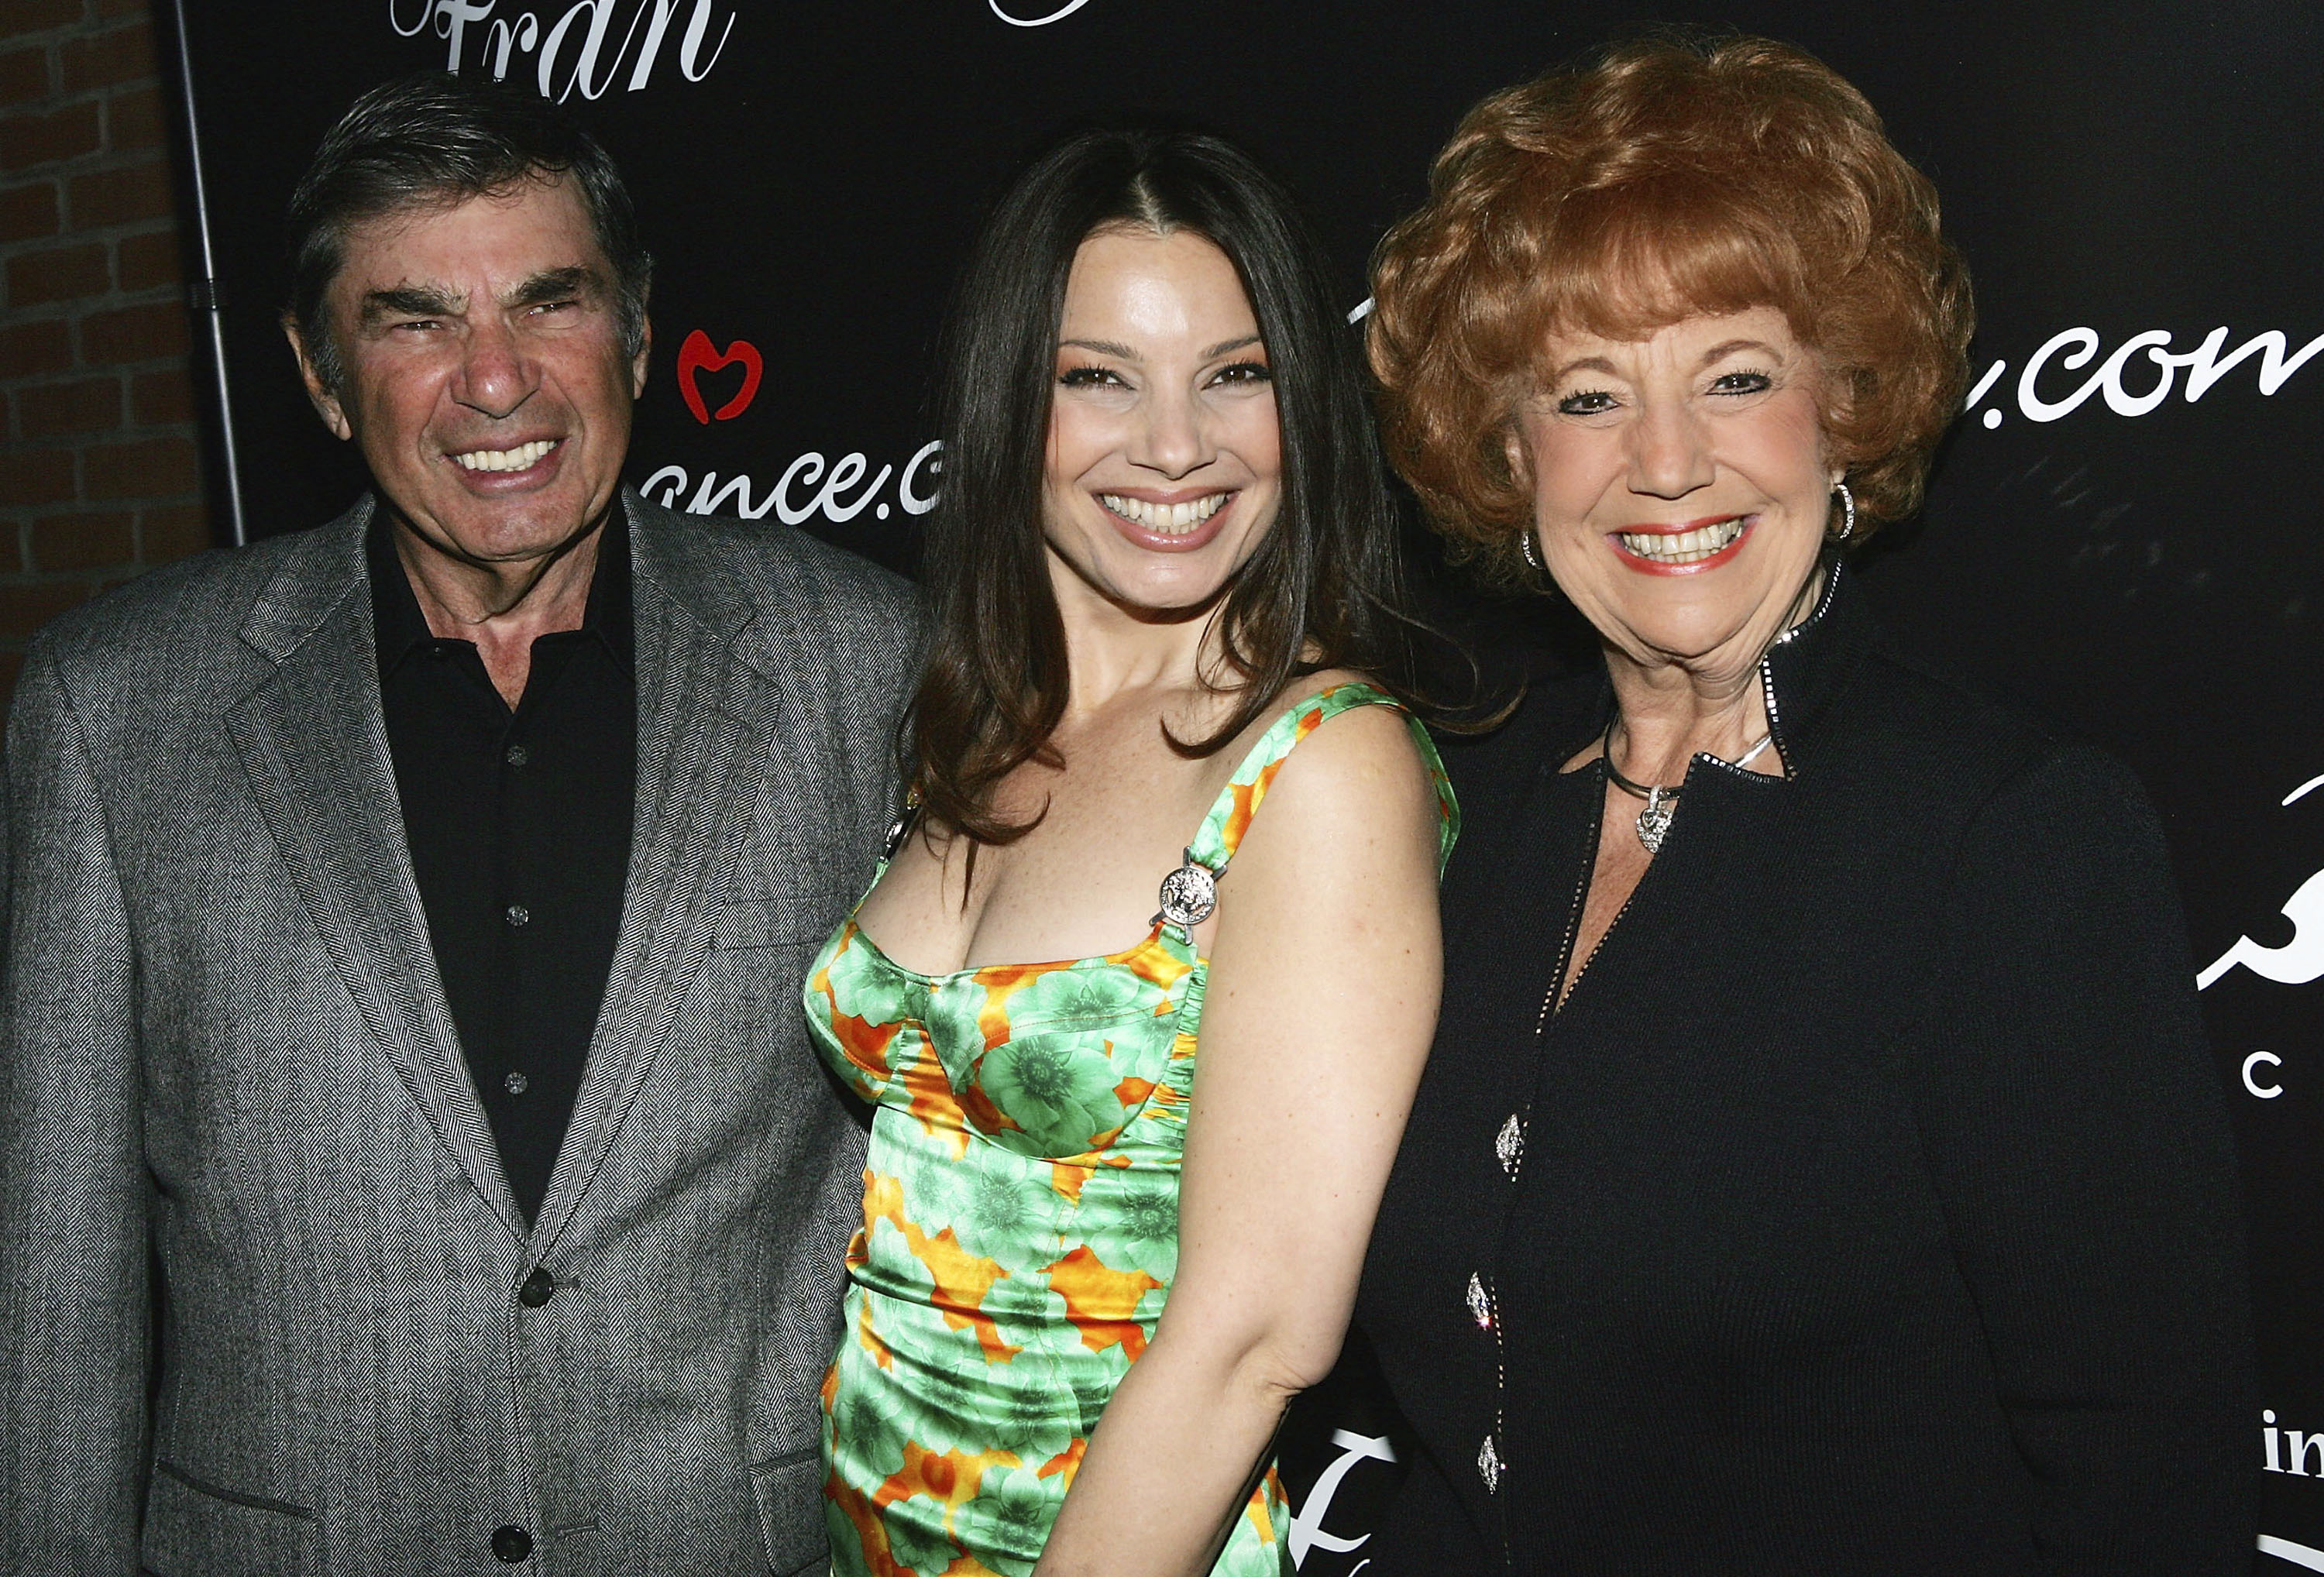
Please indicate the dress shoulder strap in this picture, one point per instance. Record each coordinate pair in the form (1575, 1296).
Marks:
(1221, 832)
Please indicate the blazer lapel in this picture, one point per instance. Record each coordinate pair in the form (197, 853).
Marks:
(313, 744)
(706, 723)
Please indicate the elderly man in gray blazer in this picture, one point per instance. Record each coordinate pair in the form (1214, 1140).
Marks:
(410, 1160)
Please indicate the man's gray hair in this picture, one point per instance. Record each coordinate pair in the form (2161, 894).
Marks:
(436, 139)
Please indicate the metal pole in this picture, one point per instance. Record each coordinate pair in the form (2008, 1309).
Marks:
(202, 291)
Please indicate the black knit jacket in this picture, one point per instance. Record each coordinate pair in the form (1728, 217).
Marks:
(1870, 1206)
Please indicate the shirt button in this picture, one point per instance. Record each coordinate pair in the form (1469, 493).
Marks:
(511, 1543)
(516, 1083)
(518, 914)
(516, 755)
(536, 1290)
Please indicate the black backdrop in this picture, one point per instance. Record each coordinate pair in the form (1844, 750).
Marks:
(2121, 532)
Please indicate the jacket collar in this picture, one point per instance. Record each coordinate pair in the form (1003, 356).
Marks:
(1810, 663)
(679, 556)
(401, 627)
(314, 743)
(319, 570)
(323, 567)
(1800, 674)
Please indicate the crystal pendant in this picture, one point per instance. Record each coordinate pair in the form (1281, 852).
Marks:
(1654, 821)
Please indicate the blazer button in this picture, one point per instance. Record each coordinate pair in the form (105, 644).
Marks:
(536, 1291)
(511, 1543)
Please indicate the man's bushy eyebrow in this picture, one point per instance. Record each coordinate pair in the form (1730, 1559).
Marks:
(551, 284)
(556, 283)
(409, 301)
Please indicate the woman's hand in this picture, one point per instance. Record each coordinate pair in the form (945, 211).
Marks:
(1322, 1001)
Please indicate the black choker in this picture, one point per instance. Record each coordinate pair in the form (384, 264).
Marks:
(1662, 804)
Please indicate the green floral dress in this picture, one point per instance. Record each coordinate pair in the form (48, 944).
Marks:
(1020, 1217)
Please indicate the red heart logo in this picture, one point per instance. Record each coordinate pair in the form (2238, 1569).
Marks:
(696, 356)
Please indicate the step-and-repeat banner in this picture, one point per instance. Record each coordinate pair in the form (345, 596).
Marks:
(2126, 530)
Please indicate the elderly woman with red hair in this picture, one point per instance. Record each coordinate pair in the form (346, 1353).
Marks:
(1820, 1167)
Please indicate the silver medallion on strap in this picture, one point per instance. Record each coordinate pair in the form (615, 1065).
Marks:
(1190, 894)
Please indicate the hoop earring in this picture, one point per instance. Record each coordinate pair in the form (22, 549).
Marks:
(1532, 554)
(1847, 512)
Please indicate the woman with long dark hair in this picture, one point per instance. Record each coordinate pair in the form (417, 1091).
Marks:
(1162, 559)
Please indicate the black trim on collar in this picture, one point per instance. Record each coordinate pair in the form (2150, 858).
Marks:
(399, 626)
(1809, 664)
(1801, 673)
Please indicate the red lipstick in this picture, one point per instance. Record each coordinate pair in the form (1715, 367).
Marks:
(1646, 565)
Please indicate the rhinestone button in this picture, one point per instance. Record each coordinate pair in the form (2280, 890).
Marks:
(1488, 1466)
(1509, 1145)
(516, 1083)
(518, 914)
(1481, 1301)
(516, 755)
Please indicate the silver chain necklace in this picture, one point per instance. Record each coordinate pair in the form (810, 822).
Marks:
(1662, 802)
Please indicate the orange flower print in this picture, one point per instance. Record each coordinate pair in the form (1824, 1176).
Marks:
(1101, 1304)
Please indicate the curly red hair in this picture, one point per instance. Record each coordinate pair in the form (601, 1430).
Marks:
(1665, 178)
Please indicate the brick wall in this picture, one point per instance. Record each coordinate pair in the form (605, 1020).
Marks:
(99, 470)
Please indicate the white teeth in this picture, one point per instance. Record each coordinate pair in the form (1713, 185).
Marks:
(521, 459)
(1686, 547)
(1170, 520)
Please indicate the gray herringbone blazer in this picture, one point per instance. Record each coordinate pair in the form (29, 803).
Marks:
(242, 1171)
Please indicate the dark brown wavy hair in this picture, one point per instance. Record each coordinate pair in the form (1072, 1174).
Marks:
(1322, 589)
(1664, 177)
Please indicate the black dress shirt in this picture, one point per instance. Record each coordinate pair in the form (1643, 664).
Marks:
(1867, 1208)
(519, 825)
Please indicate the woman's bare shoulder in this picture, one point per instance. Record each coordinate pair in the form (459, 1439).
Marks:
(1362, 764)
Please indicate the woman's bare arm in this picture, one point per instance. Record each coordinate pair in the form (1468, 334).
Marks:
(1323, 994)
